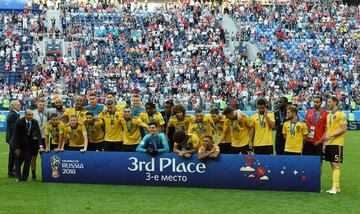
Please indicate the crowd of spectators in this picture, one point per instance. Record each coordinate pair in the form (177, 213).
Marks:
(178, 52)
(308, 47)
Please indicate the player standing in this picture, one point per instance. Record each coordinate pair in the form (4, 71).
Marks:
(336, 126)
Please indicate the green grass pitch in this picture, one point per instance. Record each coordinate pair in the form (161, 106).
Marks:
(37, 197)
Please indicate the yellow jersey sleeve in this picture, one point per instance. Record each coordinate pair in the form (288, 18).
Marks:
(68, 112)
(248, 121)
(137, 121)
(159, 119)
(334, 123)
(304, 129)
(48, 129)
(171, 122)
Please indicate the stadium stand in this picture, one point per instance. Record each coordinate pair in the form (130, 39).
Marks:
(180, 52)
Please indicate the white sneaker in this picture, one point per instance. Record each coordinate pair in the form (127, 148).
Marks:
(333, 191)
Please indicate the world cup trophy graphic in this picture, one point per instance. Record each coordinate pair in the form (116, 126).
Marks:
(55, 163)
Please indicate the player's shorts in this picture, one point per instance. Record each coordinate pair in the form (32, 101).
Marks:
(95, 146)
(292, 153)
(53, 146)
(112, 146)
(243, 150)
(310, 149)
(225, 148)
(263, 150)
(72, 148)
(334, 153)
(129, 148)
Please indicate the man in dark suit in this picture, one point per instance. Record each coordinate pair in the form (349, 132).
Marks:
(25, 141)
(12, 117)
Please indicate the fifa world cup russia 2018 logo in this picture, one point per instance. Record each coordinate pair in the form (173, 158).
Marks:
(55, 163)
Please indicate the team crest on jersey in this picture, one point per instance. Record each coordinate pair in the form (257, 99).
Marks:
(117, 116)
(240, 123)
(298, 128)
(204, 122)
(79, 132)
(334, 117)
(82, 115)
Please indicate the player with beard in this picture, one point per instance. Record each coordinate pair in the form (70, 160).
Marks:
(201, 126)
(294, 132)
(180, 121)
(131, 126)
(59, 107)
(151, 115)
(239, 125)
(54, 133)
(218, 122)
(261, 133)
(336, 126)
(95, 132)
(78, 111)
(113, 139)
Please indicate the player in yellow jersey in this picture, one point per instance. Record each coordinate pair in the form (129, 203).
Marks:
(95, 132)
(261, 138)
(209, 149)
(79, 111)
(180, 121)
(201, 126)
(294, 132)
(151, 115)
(131, 126)
(54, 133)
(336, 126)
(75, 136)
(218, 122)
(239, 125)
(111, 96)
(185, 144)
(113, 139)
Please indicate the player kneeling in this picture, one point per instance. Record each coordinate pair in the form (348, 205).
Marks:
(185, 144)
(209, 149)
(153, 143)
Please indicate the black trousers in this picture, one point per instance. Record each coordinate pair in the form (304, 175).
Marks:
(11, 163)
(279, 146)
(23, 159)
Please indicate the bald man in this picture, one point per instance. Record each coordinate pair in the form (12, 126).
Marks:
(25, 141)
(79, 111)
